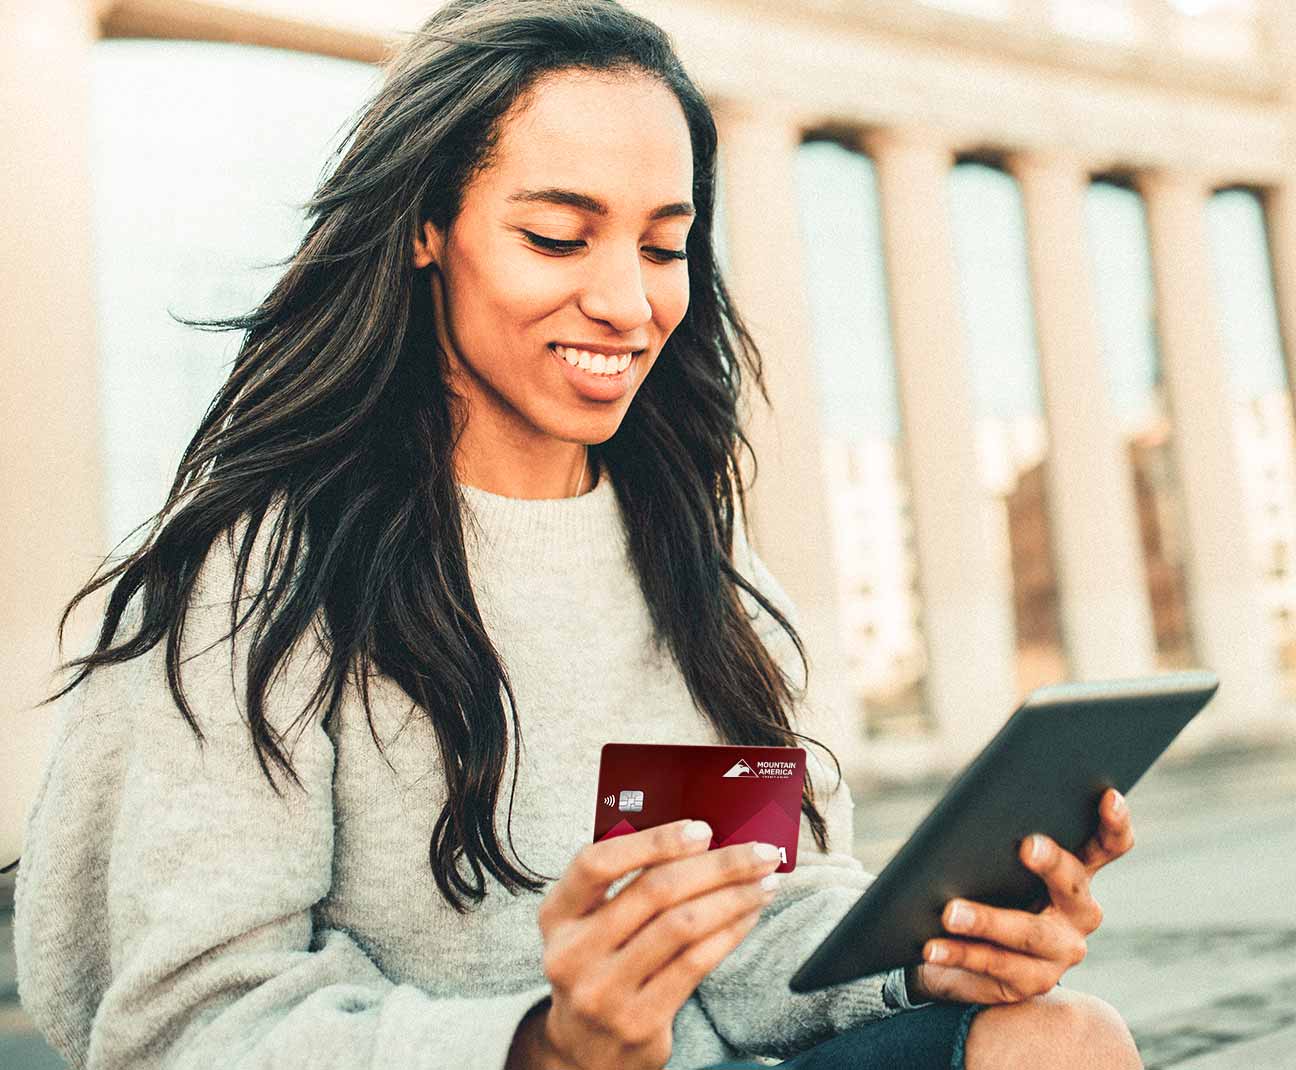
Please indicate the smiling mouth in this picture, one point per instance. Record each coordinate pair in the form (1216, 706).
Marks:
(596, 364)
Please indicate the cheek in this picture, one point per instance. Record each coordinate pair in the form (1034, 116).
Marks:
(504, 303)
(670, 301)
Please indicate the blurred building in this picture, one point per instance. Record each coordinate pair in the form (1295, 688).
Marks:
(1023, 273)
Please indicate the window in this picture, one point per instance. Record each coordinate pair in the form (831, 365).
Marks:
(864, 471)
(199, 151)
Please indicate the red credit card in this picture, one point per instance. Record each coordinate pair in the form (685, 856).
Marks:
(743, 793)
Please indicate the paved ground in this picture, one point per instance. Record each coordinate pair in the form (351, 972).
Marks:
(1198, 950)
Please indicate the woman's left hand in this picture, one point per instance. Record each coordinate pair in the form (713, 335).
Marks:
(1005, 956)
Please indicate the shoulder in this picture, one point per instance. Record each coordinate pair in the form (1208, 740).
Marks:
(133, 698)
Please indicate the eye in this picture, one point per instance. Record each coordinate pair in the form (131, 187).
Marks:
(557, 245)
(552, 244)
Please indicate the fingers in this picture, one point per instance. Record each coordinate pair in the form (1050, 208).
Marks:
(966, 986)
(672, 985)
(1015, 975)
(661, 888)
(1067, 879)
(684, 924)
(1015, 931)
(1115, 834)
(584, 883)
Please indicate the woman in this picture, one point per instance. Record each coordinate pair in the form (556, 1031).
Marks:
(479, 447)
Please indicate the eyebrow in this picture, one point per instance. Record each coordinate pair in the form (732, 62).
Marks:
(586, 203)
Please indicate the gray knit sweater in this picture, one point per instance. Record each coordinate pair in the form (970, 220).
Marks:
(173, 911)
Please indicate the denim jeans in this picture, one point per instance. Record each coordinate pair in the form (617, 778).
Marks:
(929, 1038)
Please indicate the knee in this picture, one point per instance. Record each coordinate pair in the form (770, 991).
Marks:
(1100, 1033)
(1060, 1030)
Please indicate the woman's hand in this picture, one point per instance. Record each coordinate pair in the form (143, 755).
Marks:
(621, 968)
(1004, 956)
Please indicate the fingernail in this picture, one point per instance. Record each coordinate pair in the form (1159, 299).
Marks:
(765, 851)
(697, 830)
(1038, 849)
(960, 916)
(770, 881)
(1118, 803)
(937, 953)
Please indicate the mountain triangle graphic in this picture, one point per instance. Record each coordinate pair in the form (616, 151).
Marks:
(741, 768)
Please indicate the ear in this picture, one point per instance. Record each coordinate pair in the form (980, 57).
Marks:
(427, 245)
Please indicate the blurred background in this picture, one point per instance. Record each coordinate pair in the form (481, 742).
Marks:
(1023, 273)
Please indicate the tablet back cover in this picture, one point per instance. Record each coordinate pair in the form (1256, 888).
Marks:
(1044, 771)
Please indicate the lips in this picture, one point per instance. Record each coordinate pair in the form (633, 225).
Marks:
(595, 386)
(591, 362)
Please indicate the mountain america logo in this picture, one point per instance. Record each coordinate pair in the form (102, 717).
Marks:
(774, 770)
(741, 768)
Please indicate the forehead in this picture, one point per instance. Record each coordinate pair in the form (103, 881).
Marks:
(622, 138)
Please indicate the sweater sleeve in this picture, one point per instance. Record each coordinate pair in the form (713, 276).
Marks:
(165, 895)
(747, 994)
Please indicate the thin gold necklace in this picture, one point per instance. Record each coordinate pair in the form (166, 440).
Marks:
(581, 478)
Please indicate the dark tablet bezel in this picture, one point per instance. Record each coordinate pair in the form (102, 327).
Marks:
(1044, 771)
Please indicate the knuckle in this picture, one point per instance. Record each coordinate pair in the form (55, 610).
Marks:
(1079, 951)
(741, 860)
(591, 865)
(587, 1000)
(684, 921)
(1006, 966)
(554, 963)
(655, 888)
(633, 1030)
(697, 959)
(667, 839)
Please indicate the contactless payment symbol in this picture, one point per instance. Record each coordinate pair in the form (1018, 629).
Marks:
(631, 801)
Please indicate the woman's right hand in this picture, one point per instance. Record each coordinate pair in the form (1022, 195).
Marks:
(621, 968)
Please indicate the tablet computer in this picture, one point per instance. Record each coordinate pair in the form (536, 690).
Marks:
(1044, 771)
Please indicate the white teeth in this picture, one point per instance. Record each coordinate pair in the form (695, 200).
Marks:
(595, 363)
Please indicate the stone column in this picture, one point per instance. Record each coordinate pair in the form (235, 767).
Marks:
(50, 478)
(963, 576)
(789, 513)
(1279, 28)
(1280, 199)
(1230, 633)
(1280, 217)
(1106, 614)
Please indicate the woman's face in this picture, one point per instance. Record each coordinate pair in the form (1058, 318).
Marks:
(603, 166)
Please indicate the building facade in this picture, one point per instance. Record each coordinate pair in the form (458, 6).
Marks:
(942, 570)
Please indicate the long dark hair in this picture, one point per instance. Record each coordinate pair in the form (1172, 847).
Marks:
(337, 418)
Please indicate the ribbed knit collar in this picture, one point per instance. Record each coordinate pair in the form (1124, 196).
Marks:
(583, 529)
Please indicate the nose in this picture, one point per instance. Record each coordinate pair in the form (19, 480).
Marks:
(615, 293)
